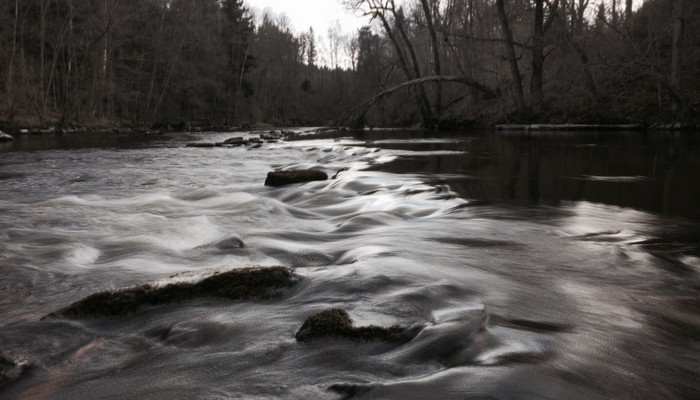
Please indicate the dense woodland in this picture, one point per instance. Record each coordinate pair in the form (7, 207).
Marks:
(429, 62)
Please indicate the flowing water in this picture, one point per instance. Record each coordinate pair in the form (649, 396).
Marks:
(552, 265)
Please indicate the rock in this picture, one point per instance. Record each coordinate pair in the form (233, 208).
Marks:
(11, 369)
(202, 145)
(272, 135)
(239, 141)
(231, 243)
(241, 284)
(281, 178)
(4, 137)
(255, 140)
(336, 323)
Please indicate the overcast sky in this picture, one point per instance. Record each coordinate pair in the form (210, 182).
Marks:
(306, 13)
(320, 13)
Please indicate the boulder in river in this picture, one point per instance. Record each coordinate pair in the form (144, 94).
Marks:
(240, 283)
(281, 178)
(336, 323)
(4, 137)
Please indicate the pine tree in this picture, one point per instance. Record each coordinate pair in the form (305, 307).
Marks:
(311, 51)
(238, 31)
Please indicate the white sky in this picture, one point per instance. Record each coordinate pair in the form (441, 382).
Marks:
(320, 14)
(306, 13)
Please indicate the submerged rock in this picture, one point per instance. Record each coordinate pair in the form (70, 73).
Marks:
(230, 243)
(336, 323)
(244, 283)
(4, 137)
(281, 178)
(202, 145)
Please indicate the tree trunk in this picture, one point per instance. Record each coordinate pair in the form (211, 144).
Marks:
(583, 57)
(67, 79)
(436, 58)
(536, 90)
(675, 56)
(425, 109)
(421, 100)
(358, 113)
(628, 11)
(510, 48)
(10, 67)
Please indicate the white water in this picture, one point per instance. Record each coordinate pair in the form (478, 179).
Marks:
(576, 299)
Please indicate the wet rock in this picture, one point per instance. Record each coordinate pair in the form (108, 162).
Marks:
(11, 369)
(336, 323)
(240, 284)
(288, 134)
(255, 140)
(339, 171)
(4, 137)
(349, 390)
(281, 178)
(235, 141)
(272, 135)
(231, 243)
(202, 145)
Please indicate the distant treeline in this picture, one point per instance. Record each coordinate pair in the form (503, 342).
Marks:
(434, 62)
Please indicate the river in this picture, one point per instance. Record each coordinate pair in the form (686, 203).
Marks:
(533, 265)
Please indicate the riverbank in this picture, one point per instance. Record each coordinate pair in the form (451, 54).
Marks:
(15, 129)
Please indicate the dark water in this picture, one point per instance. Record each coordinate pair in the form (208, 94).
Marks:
(557, 265)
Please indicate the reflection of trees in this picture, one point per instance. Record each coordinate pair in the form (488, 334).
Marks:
(651, 172)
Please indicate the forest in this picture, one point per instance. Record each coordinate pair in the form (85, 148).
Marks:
(434, 63)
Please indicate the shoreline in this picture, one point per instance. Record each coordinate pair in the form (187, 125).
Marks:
(17, 131)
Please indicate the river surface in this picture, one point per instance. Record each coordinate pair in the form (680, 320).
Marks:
(545, 265)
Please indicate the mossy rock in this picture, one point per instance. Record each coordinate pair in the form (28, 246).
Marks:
(241, 284)
(281, 178)
(336, 323)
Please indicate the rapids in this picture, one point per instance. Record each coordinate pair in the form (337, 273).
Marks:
(553, 265)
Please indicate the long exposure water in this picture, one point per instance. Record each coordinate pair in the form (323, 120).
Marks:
(534, 265)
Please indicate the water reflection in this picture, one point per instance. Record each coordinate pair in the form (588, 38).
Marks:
(650, 171)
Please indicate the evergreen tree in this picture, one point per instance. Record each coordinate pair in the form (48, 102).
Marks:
(311, 50)
(238, 31)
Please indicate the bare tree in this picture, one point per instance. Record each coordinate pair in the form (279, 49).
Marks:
(676, 54)
(540, 28)
(512, 59)
(436, 56)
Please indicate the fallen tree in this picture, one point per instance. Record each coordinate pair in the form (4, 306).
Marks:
(355, 117)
